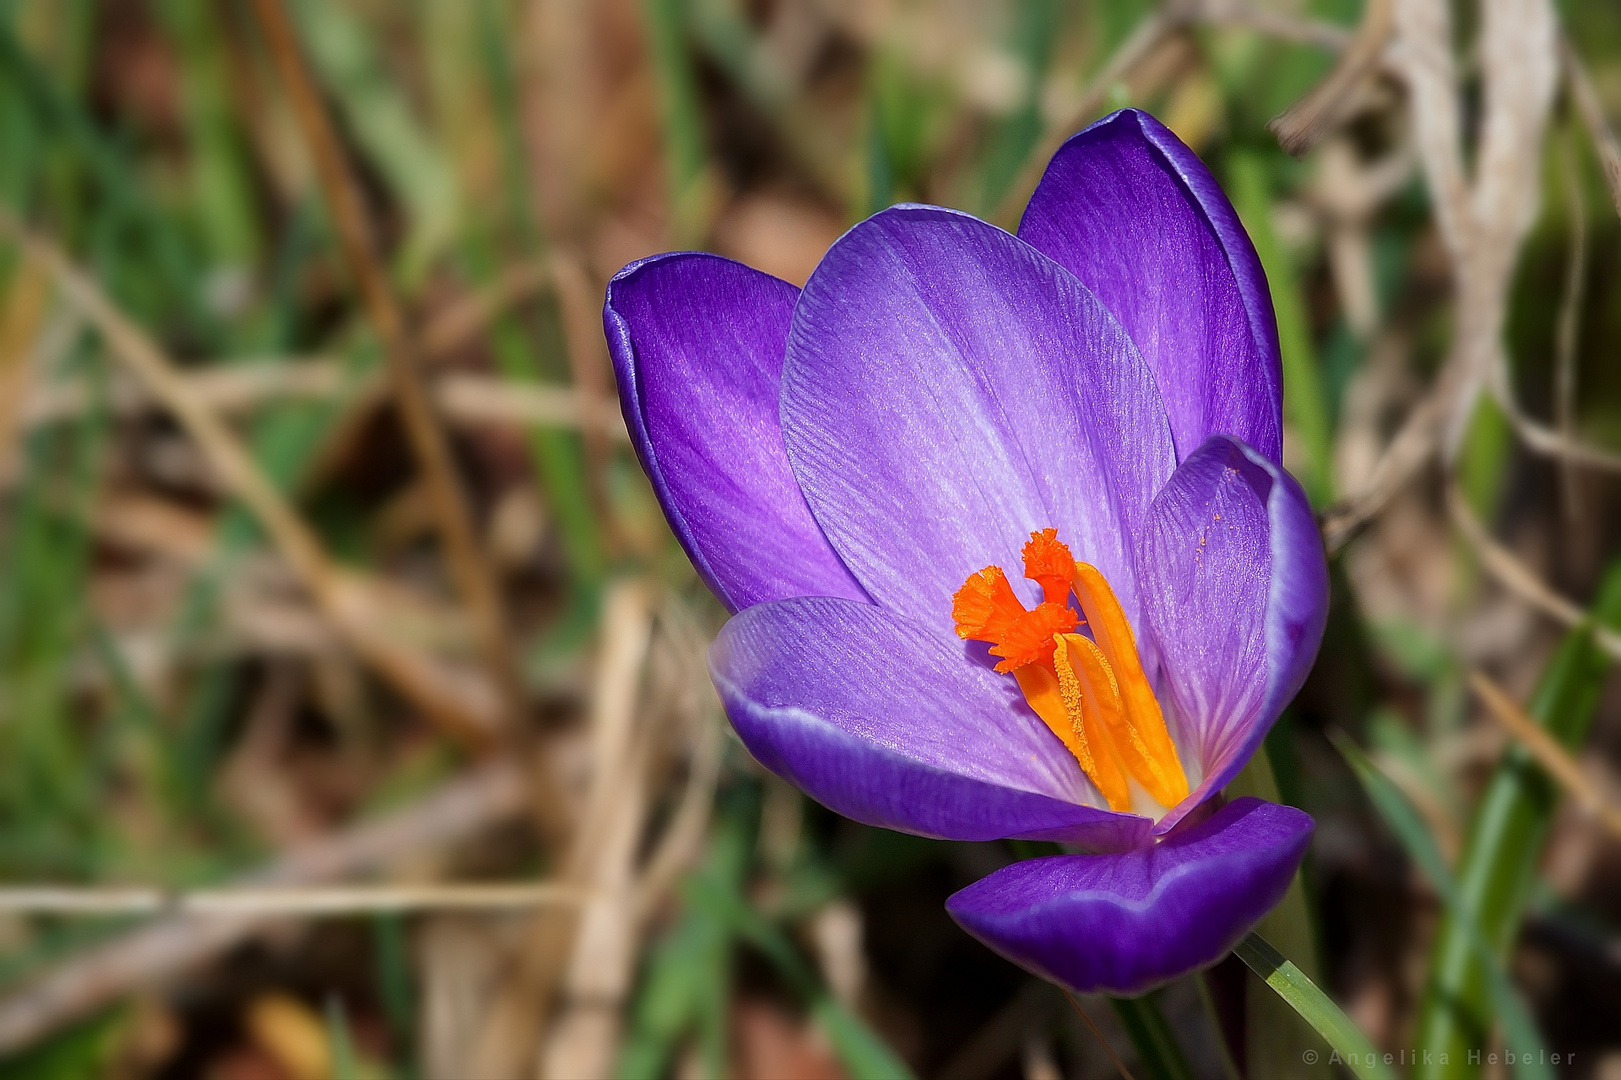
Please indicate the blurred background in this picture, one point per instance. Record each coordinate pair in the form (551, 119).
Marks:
(353, 712)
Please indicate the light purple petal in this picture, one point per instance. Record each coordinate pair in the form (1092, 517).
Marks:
(883, 721)
(1235, 590)
(1125, 923)
(947, 390)
(697, 344)
(1133, 213)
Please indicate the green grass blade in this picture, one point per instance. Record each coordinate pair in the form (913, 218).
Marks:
(1505, 838)
(1158, 1051)
(345, 1065)
(1315, 1007)
(1519, 1030)
(858, 1047)
(1275, 1045)
(682, 115)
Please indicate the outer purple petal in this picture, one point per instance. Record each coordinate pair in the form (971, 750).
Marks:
(697, 344)
(1125, 923)
(882, 720)
(1133, 213)
(1235, 596)
(947, 390)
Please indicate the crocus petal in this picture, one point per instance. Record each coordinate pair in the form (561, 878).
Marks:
(882, 720)
(1235, 596)
(1126, 207)
(697, 344)
(1125, 923)
(947, 390)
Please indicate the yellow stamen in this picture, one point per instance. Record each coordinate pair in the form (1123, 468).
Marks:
(1045, 695)
(1141, 737)
(1090, 701)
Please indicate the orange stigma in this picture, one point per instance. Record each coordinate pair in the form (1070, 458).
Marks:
(1091, 691)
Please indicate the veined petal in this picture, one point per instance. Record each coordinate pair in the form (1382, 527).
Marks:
(1125, 923)
(947, 390)
(697, 344)
(1127, 208)
(881, 719)
(1235, 596)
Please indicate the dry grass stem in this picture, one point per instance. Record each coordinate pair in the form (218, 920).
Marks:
(479, 399)
(329, 901)
(1303, 124)
(153, 954)
(445, 697)
(468, 567)
(1518, 578)
(461, 323)
(1482, 223)
(1120, 1066)
(1549, 754)
(1155, 28)
(515, 1031)
(1591, 111)
(465, 399)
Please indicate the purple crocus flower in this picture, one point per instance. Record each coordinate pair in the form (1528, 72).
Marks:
(851, 467)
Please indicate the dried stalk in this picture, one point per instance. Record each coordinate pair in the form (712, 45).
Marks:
(1592, 114)
(1518, 578)
(1303, 124)
(1482, 224)
(470, 570)
(479, 400)
(1154, 29)
(514, 1027)
(155, 954)
(303, 902)
(1545, 440)
(343, 598)
(468, 399)
(1549, 754)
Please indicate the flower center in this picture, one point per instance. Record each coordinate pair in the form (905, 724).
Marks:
(1091, 691)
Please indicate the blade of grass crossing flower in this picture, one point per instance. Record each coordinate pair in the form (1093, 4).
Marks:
(1315, 1007)
(1506, 833)
(1305, 409)
(1519, 1030)
(1274, 1045)
(1158, 1053)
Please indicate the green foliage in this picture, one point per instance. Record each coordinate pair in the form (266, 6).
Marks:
(1519, 1030)
(1506, 832)
(1315, 1007)
(1158, 1051)
(81, 1051)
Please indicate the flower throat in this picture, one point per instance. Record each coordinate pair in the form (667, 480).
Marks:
(1091, 691)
